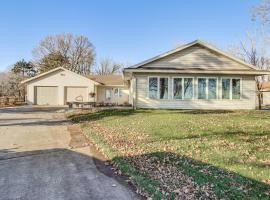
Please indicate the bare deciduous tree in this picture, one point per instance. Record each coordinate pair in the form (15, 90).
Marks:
(108, 66)
(261, 12)
(253, 51)
(76, 48)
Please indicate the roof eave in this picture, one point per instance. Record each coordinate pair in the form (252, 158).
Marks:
(251, 72)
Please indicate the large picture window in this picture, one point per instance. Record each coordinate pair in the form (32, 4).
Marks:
(231, 88)
(177, 88)
(212, 88)
(158, 87)
(188, 88)
(163, 88)
(202, 88)
(226, 88)
(207, 88)
(153, 87)
(235, 88)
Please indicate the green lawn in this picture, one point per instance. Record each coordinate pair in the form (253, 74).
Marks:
(172, 154)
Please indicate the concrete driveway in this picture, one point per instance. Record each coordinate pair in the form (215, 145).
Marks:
(37, 163)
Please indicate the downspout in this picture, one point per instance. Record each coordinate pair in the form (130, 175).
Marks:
(134, 92)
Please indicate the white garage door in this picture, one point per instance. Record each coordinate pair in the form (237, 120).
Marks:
(46, 95)
(78, 94)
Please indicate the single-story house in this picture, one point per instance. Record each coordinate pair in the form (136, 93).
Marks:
(194, 76)
(60, 86)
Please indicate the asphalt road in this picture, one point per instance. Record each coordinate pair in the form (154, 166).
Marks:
(37, 163)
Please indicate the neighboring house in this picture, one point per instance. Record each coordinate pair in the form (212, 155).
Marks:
(194, 76)
(266, 92)
(59, 86)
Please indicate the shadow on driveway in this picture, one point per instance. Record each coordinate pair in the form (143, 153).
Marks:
(56, 174)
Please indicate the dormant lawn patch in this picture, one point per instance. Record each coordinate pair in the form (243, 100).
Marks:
(186, 154)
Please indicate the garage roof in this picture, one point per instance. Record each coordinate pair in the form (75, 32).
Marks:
(109, 80)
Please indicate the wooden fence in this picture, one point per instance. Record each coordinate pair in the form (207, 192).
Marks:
(9, 101)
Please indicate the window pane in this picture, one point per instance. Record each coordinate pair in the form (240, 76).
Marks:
(188, 88)
(235, 88)
(177, 88)
(116, 92)
(163, 88)
(212, 88)
(108, 94)
(201, 88)
(153, 87)
(226, 88)
(120, 92)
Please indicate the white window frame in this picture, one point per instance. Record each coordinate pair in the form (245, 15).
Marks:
(193, 87)
(207, 80)
(116, 95)
(158, 90)
(231, 88)
(106, 94)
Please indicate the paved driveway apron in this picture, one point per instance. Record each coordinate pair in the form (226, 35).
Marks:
(37, 163)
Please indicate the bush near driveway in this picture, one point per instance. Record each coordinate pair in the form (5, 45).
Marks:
(187, 154)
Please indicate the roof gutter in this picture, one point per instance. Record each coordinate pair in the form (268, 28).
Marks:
(168, 71)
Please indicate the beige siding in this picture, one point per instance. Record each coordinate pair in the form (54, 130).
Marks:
(197, 57)
(61, 79)
(101, 91)
(247, 100)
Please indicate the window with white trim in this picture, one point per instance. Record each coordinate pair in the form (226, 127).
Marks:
(212, 88)
(177, 88)
(116, 92)
(207, 88)
(120, 92)
(158, 87)
(153, 87)
(163, 88)
(108, 94)
(231, 88)
(188, 88)
(182, 88)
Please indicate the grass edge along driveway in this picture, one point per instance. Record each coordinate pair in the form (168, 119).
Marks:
(174, 154)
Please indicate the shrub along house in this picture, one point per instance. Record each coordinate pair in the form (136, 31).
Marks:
(194, 76)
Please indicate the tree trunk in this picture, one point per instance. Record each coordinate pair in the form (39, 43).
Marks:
(260, 100)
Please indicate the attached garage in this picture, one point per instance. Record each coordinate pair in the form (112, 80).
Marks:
(59, 86)
(78, 94)
(46, 95)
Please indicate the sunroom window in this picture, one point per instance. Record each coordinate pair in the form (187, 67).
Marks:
(212, 88)
(226, 88)
(163, 88)
(207, 88)
(153, 87)
(235, 88)
(188, 88)
(202, 88)
(177, 88)
(158, 88)
(231, 88)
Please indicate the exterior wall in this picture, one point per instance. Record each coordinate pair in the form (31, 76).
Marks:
(61, 79)
(266, 98)
(247, 100)
(101, 95)
(196, 57)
